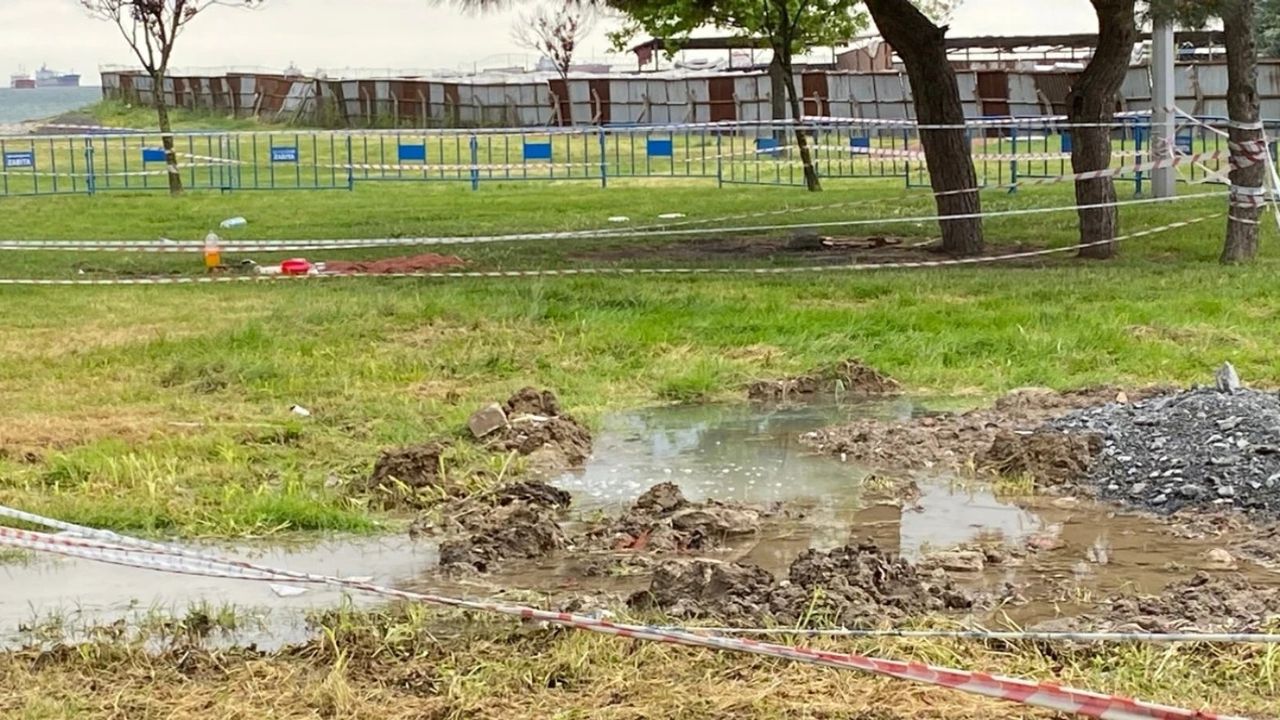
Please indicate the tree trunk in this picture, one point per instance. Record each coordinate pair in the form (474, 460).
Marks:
(1092, 102)
(811, 180)
(1247, 145)
(778, 98)
(921, 45)
(166, 135)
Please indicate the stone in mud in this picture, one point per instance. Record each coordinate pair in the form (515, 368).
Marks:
(965, 561)
(1219, 559)
(1050, 458)
(486, 420)
(415, 466)
(661, 498)
(1226, 378)
(714, 521)
(849, 376)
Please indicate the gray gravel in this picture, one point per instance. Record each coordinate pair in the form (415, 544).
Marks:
(1202, 448)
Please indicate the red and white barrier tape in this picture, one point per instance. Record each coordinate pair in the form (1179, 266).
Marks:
(608, 271)
(1043, 695)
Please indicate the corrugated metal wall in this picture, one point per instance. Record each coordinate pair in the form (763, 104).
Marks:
(1200, 88)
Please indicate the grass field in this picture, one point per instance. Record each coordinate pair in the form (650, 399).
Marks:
(166, 410)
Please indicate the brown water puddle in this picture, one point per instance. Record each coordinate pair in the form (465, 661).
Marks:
(735, 453)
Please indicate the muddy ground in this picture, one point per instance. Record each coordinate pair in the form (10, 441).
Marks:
(850, 377)
(807, 248)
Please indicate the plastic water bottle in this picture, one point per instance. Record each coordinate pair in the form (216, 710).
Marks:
(235, 222)
(212, 252)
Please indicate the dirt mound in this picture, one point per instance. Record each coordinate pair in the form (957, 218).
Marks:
(849, 586)
(1050, 457)
(537, 428)
(515, 530)
(993, 439)
(849, 376)
(413, 263)
(529, 401)
(663, 520)
(416, 466)
(1205, 603)
(518, 521)
(1202, 448)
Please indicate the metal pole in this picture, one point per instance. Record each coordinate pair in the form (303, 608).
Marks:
(1162, 100)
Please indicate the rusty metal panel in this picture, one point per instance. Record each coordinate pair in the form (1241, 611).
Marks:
(720, 100)
(815, 93)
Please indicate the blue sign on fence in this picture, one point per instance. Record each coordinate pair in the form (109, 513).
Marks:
(152, 155)
(857, 143)
(284, 154)
(1185, 144)
(661, 147)
(768, 146)
(537, 151)
(21, 159)
(1066, 142)
(413, 153)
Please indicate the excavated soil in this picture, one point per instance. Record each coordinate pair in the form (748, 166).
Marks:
(1203, 603)
(412, 263)
(521, 521)
(415, 466)
(663, 520)
(538, 429)
(808, 248)
(850, 586)
(998, 439)
(850, 376)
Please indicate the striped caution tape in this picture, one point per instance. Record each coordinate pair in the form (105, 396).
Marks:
(84, 543)
(608, 271)
(350, 244)
(999, 635)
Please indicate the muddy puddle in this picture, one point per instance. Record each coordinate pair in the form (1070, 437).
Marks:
(1057, 555)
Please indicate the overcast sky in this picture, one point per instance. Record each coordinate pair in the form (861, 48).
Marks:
(399, 34)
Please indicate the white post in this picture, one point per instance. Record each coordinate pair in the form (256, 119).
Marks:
(1162, 101)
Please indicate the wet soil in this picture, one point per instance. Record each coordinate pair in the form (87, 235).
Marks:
(1202, 603)
(1041, 557)
(812, 249)
(412, 263)
(532, 426)
(849, 586)
(1001, 439)
(852, 377)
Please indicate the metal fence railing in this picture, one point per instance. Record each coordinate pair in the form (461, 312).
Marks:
(726, 153)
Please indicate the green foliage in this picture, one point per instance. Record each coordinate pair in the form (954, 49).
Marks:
(797, 25)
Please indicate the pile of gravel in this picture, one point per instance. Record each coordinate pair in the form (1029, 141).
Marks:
(1203, 448)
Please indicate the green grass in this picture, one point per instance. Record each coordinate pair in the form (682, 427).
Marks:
(116, 113)
(413, 661)
(166, 410)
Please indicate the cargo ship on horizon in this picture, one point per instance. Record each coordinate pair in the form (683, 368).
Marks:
(22, 81)
(55, 78)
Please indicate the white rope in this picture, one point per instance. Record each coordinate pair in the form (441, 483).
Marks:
(611, 271)
(265, 246)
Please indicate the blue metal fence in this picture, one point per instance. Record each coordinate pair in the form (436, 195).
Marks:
(759, 153)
